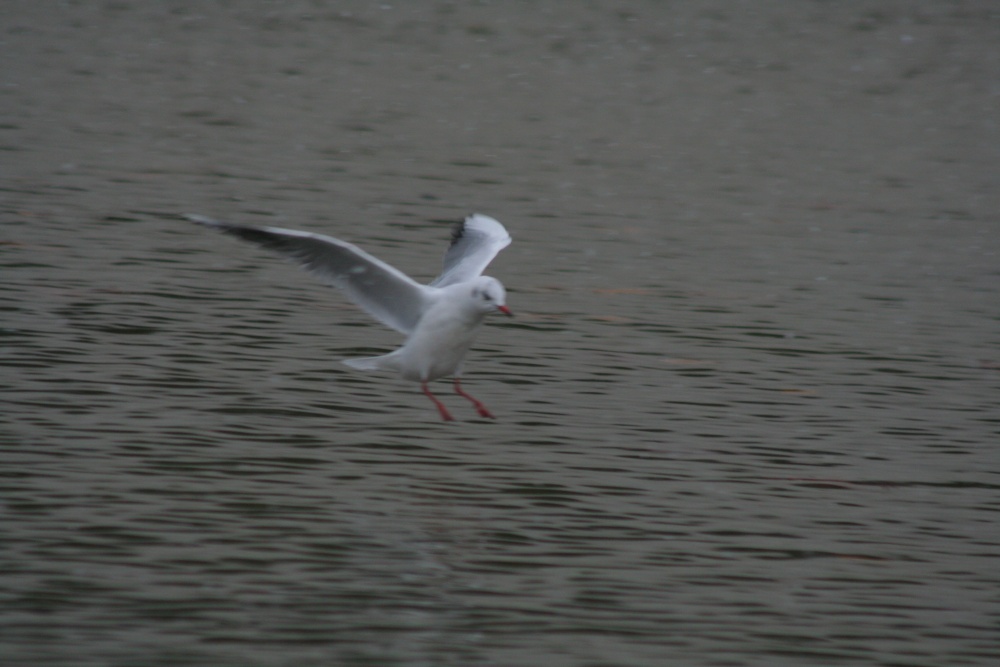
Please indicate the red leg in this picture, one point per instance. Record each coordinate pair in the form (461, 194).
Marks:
(445, 415)
(480, 408)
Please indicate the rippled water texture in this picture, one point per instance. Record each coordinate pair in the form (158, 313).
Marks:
(748, 408)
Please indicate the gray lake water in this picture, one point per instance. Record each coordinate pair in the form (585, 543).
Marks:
(747, 411)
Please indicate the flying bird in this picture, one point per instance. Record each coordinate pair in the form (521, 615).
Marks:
(440, 319)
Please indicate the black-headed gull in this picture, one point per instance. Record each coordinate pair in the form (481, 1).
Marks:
(440, 319)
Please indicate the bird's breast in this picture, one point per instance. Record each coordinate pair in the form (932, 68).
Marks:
(439, 343)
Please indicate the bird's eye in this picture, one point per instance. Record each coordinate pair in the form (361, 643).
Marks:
(487, 297)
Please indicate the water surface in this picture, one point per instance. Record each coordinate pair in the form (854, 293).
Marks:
(747, 411)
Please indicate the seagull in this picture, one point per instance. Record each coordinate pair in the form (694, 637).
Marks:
(440, 319)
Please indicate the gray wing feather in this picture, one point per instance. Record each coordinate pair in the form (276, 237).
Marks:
(386, 293)
(474, 244)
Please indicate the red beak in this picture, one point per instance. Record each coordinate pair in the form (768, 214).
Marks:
(505, 310)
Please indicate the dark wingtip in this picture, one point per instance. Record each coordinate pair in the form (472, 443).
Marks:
(458, 231)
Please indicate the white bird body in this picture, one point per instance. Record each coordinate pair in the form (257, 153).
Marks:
(437, 345)
(441, 319)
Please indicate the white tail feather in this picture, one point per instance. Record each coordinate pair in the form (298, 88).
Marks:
(386, 362)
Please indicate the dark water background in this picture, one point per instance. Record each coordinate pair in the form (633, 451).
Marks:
(748, 411)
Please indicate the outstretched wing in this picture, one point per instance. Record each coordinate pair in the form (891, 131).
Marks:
(474, 244)
(386, 293)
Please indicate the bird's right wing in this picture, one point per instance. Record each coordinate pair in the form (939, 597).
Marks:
(474, 244)
(385, 292)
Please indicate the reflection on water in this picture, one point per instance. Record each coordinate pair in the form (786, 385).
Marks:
(720, 439)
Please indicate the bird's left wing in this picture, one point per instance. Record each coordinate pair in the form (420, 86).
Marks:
(385, 292)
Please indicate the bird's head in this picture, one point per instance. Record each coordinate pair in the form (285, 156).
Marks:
(488, 294)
